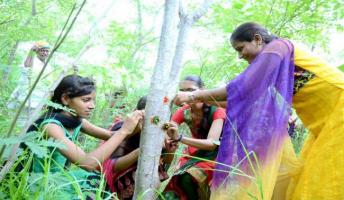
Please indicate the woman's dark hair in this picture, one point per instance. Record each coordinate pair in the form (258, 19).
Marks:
(246, 31)
(141, 104)
(206, 121)
(72, 86)
(195, 79)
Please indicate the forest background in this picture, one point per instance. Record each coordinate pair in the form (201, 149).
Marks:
(116, 43)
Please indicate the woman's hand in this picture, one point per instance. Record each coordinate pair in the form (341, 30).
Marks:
(184, 97)
(34, 48)
(170, 145)
(172, 131)
(132, 121)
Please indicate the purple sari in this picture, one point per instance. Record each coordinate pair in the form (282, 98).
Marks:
(258, 107)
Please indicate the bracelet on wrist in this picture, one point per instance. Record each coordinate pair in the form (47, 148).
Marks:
(192, 96)
(179, 138)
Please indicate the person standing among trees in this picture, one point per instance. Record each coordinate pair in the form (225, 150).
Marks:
(255, 138)
(193, 177)
(33, 64)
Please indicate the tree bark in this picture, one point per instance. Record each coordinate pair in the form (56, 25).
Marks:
(163, 84)
(33, 9)
(147, 178)
(186, 22)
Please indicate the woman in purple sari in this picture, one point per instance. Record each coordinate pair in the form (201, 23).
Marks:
(256, 159)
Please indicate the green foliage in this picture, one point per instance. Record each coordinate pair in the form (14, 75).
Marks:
(20, 22)
(341, 67)
(131, 48)
(60, 107)
(28, 185)
(124, 49)
(214, 67)
(34, 142)
(309, 22)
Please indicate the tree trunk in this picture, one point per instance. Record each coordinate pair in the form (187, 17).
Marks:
(186, 22)
(163, 84)
(147, 178)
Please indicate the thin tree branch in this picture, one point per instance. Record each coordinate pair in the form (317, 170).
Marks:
(201, 10)
(6, 21)
(182, 12)
(33, 10)
(270, 12)
(182, 41)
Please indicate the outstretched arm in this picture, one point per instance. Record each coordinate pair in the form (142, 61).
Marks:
(95, 131)
(217, 94)
(29, 59)
(222, 104)
(90, 161)
(126, 161)
(99, 132)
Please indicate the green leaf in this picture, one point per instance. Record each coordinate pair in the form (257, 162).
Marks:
(341, 67)
(39, 151)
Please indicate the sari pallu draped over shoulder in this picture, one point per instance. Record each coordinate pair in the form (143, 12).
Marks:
(258, 107)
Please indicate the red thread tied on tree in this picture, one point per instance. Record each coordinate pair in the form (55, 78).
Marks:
(166, 100)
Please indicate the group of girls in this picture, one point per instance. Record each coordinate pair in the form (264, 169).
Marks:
(117, 156)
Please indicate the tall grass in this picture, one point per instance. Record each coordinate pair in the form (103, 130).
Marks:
(25, 184)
